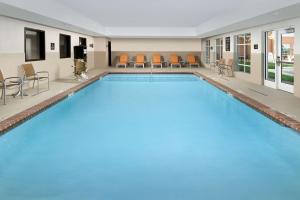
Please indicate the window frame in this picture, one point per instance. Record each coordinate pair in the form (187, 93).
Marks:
(227, 44)
(42, 45)
(207, 51)
(81, 39)
(68, 53)
(219, 47)
(243, 43)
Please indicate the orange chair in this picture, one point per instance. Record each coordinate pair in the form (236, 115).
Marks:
(174, 61)
(156, 60)
(123, 60)
(140, 60)
(191, 60)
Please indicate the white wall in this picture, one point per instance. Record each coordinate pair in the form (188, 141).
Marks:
(257, 32)
(257, 67)
(12, 36)
(100, 44)
(101, 52)
(156, 45)
(12, 49)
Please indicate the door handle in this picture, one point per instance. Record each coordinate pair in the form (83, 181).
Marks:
(278, 60)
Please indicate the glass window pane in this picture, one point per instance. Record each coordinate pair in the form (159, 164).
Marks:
(207, 52)
(243, 53)
(219, 48)
(241, 39)
(34, 45)
(247, 69)
(65, 46)
(240, 52)
(218, 56)
(248, 55)
(288, 58)
(221, 52)
(271, 56)
(248, 38)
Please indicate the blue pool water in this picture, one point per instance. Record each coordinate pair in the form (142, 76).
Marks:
(142, 137)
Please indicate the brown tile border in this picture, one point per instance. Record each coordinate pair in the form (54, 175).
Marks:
(148, 72)
(25, 115)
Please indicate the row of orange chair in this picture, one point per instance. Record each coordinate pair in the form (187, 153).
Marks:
(157, 61)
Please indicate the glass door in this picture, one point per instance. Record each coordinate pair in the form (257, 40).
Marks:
(207, 51)
(270, 59)
(219, 49)
(279, 59)
(286, 60)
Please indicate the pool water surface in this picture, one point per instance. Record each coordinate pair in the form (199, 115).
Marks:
(150, 137)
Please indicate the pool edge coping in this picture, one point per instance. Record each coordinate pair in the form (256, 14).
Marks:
(11, 122)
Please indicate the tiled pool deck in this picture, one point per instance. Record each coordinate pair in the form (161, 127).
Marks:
(278, 105)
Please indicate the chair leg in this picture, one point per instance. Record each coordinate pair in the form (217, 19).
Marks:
(21, 90)
(33, 83)
(229, 71)
(4, 95)
(223, 71)
(38, 86)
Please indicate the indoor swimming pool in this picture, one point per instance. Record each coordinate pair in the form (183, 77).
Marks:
(146, 137)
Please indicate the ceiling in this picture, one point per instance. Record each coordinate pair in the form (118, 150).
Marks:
(153, 18)
(152, 13)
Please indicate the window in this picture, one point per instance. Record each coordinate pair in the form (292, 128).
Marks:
(243, 52)
(219, 49)
(34, 44)
(227, 43)
(207, 51)
(65, 46)
(82, 41)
